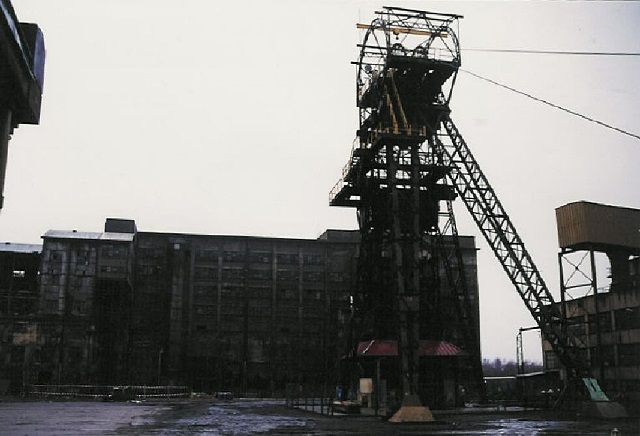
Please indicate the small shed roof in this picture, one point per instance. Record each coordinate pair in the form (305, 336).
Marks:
(377, 347)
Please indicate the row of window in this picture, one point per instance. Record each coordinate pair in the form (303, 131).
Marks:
(284, 324)
(211, 255)
(113, 269)
(257, 308)
(229, 273)
(627, 355)
(263, 292)
(55, 272)
(623, 319)
(84, 255)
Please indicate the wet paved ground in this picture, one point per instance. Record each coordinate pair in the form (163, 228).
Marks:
(268, 418)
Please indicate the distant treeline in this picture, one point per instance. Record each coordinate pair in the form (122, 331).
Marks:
(503, 368)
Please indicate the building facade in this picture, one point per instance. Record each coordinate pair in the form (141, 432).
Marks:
(19, 266)
(212, 312)
(244, 313)
(127, 307)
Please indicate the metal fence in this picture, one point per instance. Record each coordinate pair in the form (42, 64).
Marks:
(321, 405)
(312, 400)
(108, 392)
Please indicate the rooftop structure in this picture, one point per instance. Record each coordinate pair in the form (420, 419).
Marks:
(600, 308)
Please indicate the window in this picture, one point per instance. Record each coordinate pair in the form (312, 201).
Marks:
(336, 277)
(202, 291)
(207, 255)
(230, 273)
(79, 307)
(260, 292)
(231, 291)
(255, 312)
(206, 310)
(287, 294)
(17, 354)
(314, 294)
(260, 324)
(150, 253)
(56, 256)
(112, 251)
(260, 304)
(51, 305)
(83, 257)
(234, 256)
(313, 259)
(260, 257)
(148, 270)
(603, 322)
(287, 258)
(630, 385)
(628, 354)
(577, 326)
(603, 356)
(313, 276)
(627, 318)
(204, 272)
(551, 360)
(287, 275)
(112, 269)
(260, 274)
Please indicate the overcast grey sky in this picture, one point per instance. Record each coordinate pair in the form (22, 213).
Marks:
(237, 117)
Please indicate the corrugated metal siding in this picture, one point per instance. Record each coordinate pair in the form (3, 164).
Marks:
(583, 223)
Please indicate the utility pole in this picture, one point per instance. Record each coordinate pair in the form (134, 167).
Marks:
(519, 348)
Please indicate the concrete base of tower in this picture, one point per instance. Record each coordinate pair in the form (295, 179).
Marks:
(412, 410)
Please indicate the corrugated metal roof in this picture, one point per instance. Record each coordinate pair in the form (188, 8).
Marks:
(20, 248)
(74, 234)
(390, 348)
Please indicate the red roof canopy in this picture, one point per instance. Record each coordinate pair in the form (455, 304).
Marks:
(378, 347)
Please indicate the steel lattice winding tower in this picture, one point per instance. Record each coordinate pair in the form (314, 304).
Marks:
(396, 178)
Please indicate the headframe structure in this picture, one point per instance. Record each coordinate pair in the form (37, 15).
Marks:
(396, 178)
(408, 158)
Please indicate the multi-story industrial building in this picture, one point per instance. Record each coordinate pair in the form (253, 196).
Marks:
(212, 312)
(241, 313)
(19, 265)
(602, 306)
(85, 307)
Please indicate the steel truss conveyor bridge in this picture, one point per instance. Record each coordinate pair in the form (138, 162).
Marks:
(408, 163)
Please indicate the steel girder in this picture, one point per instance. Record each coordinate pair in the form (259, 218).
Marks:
(495, 225)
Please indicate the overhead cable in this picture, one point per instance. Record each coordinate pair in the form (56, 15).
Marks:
(556, 52)
(593, 120)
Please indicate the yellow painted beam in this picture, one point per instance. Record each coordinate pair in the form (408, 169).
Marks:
(398, 30)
